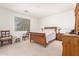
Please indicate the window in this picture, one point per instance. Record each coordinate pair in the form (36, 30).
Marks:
(22, 24)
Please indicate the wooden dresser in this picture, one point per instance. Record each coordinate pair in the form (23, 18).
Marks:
(70, 43)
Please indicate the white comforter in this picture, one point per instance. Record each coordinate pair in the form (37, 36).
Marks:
(50, 36)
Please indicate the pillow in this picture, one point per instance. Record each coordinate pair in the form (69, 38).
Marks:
(49, 31)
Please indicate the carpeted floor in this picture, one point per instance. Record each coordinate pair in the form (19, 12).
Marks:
(25, 48)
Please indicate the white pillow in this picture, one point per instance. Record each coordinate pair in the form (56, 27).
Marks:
(49, 31)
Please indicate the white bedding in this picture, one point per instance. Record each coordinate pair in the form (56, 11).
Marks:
(50, 34)
(50, 37)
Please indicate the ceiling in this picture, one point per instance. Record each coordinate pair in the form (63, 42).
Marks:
(38, 10)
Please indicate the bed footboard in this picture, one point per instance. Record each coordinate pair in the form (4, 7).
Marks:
(38, 37)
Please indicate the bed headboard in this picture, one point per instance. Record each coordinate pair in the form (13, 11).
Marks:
(51, 28)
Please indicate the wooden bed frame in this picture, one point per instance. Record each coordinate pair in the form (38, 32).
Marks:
(40, 37)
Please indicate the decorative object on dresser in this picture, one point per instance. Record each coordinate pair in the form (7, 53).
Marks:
(5, 37)
(70, 43)
(72, 31)
(44, 38)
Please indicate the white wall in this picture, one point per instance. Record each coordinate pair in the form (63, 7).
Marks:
(65, 21)
(7, 21)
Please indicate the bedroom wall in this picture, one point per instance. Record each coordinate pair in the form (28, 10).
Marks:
(64, 20)
(7, 21)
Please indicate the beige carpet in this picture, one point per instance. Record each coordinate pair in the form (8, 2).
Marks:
(25, 48)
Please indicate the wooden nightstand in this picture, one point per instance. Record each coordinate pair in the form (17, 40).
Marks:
(59, 36)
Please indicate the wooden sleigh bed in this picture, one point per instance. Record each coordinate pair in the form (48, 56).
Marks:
(41, 37)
